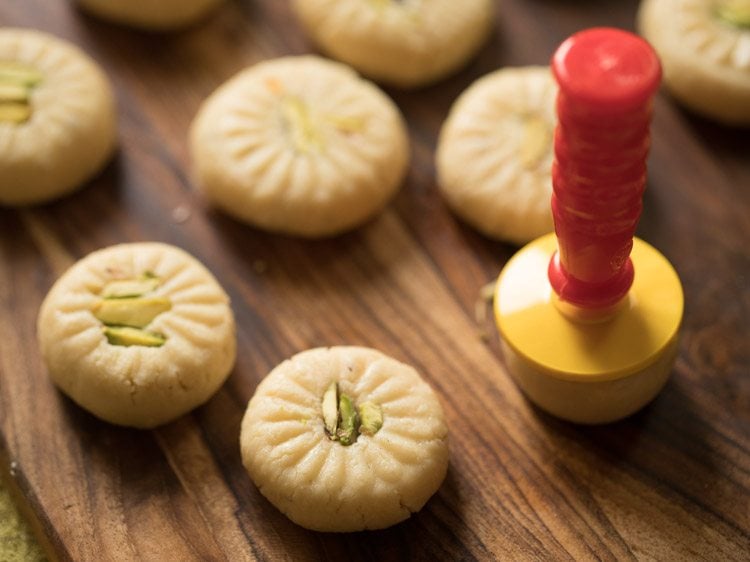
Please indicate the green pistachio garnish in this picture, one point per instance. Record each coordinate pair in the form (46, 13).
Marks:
(124, 335)
(137, 313)
(299, 123)
(536, 141)
(736, 12)
(348, 421)
(331, 409)
(383, 4)
(17, 73)
(14, 112)
(130, 288)
(371, 418)
(125, 310)
(346, 124)
(344, 421)
(13, 93)
(16, 83)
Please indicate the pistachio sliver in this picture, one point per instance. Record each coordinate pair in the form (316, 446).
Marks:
(14, 112)
(129, 288)
(300, 124)
(136, 312)
(736, 12)
(348, 421)
(126, 336)
(536, 141)
(371, 418)
(346, 124)
(330, 409)
(13, 93)
(17, 73)
(380, 4)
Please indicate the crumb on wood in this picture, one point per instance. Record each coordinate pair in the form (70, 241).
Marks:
(486, 295)
(180, 214)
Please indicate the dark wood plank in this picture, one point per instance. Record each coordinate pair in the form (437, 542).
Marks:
(672, 482)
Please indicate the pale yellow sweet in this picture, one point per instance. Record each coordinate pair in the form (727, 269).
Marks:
(705, 59)
(135, 385)
(406, 43)
(299, 145)
(157, 15)
(323, 485)
(71, 132)
(494, 154)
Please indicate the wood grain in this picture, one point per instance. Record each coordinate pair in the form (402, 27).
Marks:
(670, 483)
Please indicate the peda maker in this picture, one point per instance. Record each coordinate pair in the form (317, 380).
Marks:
(589, 316)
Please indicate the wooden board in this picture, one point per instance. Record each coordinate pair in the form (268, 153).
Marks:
(671, 482)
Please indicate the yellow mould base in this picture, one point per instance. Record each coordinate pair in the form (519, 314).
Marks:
(588, 372)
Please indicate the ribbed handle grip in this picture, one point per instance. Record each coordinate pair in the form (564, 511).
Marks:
(607, 80)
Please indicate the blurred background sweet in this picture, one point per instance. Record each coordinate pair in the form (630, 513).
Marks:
(58, 124)
(404, 44)
(704, 46)
(155, 15)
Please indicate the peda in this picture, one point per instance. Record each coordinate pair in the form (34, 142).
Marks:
(57, 117)
(156, 15)
(704, 46)
(406, 43)
(345, 439)
(137, 334)
(299, 145)
(494, 155)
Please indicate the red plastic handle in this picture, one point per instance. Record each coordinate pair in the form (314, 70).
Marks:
(607, 80)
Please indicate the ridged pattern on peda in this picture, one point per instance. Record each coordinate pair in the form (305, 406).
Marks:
(299, 145)
(151, 14)
(135, 385)
(406, 43)
(71, 132)
(494, 154)
(706, 60)
(320, 484)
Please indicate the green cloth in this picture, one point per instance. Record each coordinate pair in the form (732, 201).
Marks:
(17, 544)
